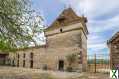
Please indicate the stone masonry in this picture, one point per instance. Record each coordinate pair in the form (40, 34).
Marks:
(67, 35)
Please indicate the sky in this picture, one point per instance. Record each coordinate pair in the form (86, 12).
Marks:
(102, 15)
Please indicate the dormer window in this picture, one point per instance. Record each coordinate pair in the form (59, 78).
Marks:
(61, 19)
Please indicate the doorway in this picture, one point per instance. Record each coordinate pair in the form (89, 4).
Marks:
(61, 65)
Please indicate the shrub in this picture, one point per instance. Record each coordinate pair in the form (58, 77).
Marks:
(45, 76)
(69, 69)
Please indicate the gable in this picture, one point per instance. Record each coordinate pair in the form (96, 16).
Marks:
(114, 38)
(67, 17)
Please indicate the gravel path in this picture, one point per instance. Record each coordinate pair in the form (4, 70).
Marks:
(26, 73)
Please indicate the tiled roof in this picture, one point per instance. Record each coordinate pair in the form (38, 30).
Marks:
(113, 37)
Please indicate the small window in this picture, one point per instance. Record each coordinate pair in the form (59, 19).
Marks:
(23, 63)
(31, 61)
(24, 55)
(61, 30)
(18, 56)
(18, 60)
(61, 19)
(80, 57)
(31, 55)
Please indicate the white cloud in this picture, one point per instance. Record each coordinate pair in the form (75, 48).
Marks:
(93, 8)
(100, 19)
(99, 46)
(96, 41)
(101, 26)
(103, 16)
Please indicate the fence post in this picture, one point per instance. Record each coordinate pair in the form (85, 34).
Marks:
(95, 62)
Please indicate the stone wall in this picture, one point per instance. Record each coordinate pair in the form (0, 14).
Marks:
(58, 47)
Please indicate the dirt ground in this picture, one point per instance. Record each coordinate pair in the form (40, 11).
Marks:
(94, 76)
(26, 73)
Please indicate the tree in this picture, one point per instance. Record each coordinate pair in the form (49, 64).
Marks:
(16, 19)
(71, 58)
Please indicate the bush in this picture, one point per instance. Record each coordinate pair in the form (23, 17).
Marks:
(45, 67)
(69, 69)
(45, 76)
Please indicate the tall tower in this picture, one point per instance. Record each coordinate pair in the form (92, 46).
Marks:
(67, 35)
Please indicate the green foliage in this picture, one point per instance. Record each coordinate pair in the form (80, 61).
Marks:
(46, 76)
(69, 69)
(98, 61)
(15, 24)
(71, 58)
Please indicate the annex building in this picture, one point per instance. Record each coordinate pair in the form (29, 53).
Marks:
(65, 36)
(113, 45)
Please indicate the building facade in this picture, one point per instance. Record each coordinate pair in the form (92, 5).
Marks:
(67, 35)
(113, 45)
(3, 58)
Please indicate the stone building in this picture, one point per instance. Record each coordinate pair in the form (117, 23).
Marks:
(113, 45)
(3, 58)
(66, 35)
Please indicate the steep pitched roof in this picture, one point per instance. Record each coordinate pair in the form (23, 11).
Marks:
(113, 38)
(67, 17)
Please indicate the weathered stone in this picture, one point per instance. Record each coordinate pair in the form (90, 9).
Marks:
(113, 45)
(63, 38)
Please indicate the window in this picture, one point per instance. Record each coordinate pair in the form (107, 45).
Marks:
(31, 55)
(80, 41)
(31, 60)
(18, 60)
(24, 55)
(18, 56)
(80, 57)
(13, 64)
(61, 20)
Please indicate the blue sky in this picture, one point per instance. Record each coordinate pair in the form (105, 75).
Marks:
(102, 15)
